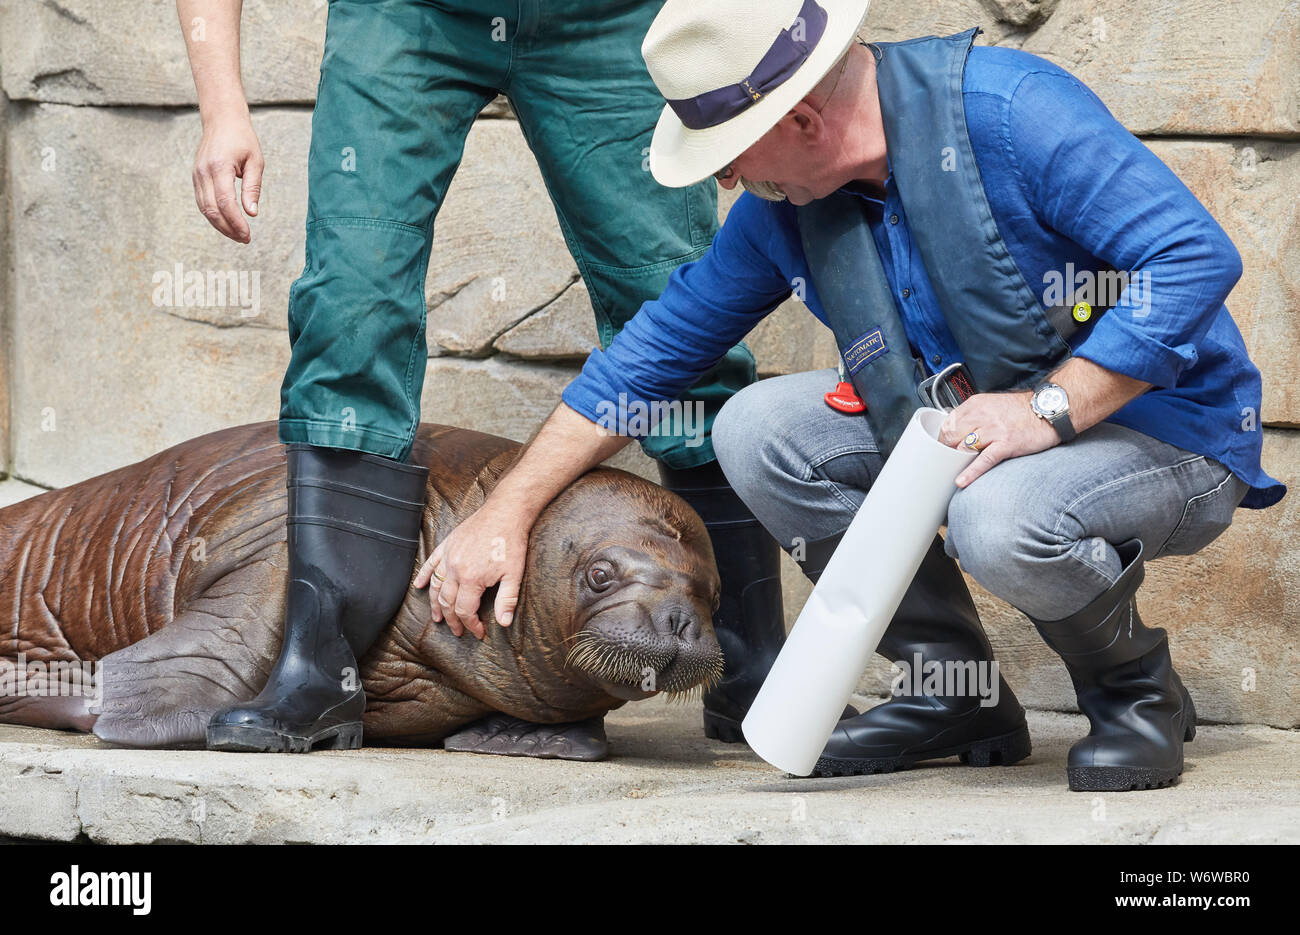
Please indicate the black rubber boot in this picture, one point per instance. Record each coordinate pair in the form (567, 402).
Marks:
(354, 525)
(750, 621)
(937, 622)
(1126, 684)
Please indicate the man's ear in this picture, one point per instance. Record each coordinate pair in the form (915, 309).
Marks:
(806, 121)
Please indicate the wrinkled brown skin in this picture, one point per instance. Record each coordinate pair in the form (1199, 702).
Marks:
(172, 571)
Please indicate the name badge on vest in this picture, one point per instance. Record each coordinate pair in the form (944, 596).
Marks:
(865, 349)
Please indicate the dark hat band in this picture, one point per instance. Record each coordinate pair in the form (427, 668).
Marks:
(790, 50)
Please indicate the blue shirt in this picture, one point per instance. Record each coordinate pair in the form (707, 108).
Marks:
(1067, 184)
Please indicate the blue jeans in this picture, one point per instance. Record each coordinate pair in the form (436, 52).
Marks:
(1035, 531)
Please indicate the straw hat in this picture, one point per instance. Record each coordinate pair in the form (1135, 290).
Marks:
(730, 70)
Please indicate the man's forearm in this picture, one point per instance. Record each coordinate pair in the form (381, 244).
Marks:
(564, 448)
(1094, 392)
(213, 46)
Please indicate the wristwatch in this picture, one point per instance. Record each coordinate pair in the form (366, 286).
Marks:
(1050, 402)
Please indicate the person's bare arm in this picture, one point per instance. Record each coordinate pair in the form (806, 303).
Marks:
(491, 545)
(229, 148)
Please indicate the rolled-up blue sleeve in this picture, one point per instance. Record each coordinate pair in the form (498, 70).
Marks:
(707, 307)
(1091, 180)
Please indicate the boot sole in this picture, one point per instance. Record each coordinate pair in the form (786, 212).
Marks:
(261, 740)
(1004, 750)
(1128, 778)
(1119, 778)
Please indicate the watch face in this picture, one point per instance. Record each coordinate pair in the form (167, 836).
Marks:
(1051, 400)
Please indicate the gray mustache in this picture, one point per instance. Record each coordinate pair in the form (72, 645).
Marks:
(765, 190)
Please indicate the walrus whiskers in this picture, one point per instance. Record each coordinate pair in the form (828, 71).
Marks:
(690, 671)
(597, 655)
(687, 695)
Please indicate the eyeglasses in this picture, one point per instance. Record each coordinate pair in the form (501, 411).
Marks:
(729, 170)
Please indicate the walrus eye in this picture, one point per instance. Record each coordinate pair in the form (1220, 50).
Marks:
(600, 575)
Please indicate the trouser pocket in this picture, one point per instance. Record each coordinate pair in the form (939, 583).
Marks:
(1206, 516)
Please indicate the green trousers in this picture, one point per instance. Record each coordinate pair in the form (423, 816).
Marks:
(401, 84)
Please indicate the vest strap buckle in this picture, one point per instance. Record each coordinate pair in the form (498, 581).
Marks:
(948, 388)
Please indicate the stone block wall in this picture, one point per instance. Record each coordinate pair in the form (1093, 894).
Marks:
(97, 134)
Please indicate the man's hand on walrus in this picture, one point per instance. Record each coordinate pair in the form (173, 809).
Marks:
(1007, 427)
(488, 548)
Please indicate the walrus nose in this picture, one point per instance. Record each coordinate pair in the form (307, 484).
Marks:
(679, 621)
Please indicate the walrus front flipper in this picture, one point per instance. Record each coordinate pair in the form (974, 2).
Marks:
(509, 736)
(163, 690)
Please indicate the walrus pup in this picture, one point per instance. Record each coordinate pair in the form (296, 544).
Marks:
(172, 574)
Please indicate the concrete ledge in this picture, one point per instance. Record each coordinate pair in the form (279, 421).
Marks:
(665, 783)
(13, 490)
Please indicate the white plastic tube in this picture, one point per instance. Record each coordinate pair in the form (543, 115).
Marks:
(857, 595)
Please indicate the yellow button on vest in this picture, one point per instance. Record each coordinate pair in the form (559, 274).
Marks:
(1082, 311)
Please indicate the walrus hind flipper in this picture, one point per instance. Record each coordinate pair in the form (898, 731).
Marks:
(163, 690)
(509, 736)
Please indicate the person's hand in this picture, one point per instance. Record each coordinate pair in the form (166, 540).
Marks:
(1007, 427)
(487, 548)
(228, 150)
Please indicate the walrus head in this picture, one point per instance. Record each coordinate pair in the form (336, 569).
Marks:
(641, 581)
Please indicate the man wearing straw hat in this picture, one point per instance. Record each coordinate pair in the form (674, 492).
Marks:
(979, 233)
